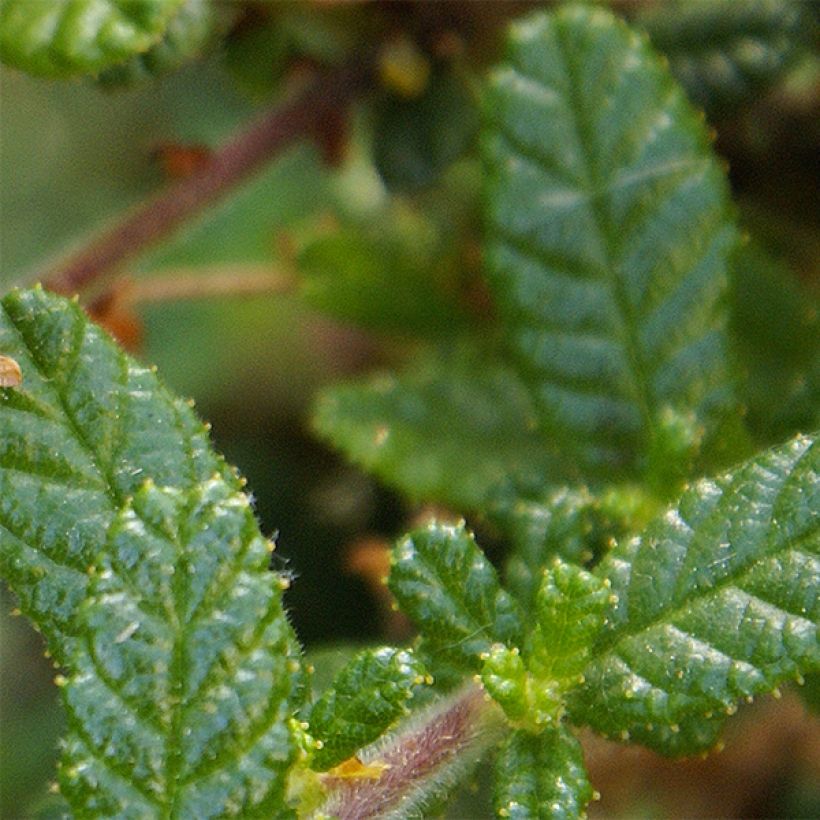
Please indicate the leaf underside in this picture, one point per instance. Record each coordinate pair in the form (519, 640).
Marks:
(608, 235)
(130, 545)
(717, 602)
(64, 38)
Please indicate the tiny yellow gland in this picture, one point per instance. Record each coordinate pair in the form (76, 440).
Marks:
(10, 373)
(404, 70)
(354, 769)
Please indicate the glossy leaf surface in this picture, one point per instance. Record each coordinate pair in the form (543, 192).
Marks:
(608, 236)
(442, 580)
(541, 776)
(130, 545)
(368, 695)
(64, 38)
(718, 601)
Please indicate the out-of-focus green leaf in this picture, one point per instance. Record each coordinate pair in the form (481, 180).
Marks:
(191, 31)
(608, 236)
(442, 580)
(414, 140)
(776, 324)
(447, 429)
(131, 546)
(725, 52)
(366, 698)
(377, 283)
(718, 601)
(541, 776)
(64, 38)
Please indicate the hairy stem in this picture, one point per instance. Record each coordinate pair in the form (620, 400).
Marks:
(315, 112)
(421, 761)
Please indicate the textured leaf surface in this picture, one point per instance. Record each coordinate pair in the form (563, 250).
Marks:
(63, 38)
(179, 659)
(570, 609)
(442, 580)
(189, 33)
(541, 776)
(608, 235)
(366, 697)
(446, 430)
(725, 52)
(182, 694)
(718, 602)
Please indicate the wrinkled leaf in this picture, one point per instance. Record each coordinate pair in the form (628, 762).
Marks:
(64, 38)
(717, 602)
(442, 580)
(608, 235)
(541, 776)
(367, 696)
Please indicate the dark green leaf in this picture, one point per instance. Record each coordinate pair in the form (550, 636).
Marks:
(726, 52)
(415, 140)
(366, 698)
(183, 689)
(776, 324)
(608, 236)
(541, 776)
(447, 429)
(182, 669)
(718, 602)
(442, 580)
(63, 38)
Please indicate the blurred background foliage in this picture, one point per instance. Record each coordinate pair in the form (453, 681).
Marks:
(371, 245)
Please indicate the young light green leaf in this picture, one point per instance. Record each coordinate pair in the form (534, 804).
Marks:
(65, 38)
(447, 429)
(717, 602)
(570, 611)
(366, 698)
(188, 35)
(608, 236)
(181, 666)
(182, 691)
(541, 776)
(442, 580)
(726, 52)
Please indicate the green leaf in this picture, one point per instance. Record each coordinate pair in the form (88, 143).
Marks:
(608, 235)
(776, 324)
(717, 602)
(180, 663)
(366, 698)
(726, 52)
(182, 691)
(570, 611)
(541, 776)
(375, 282)
(188, 35)
(447, 429)
(415, 140)
(442, 580)
(64, 38)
